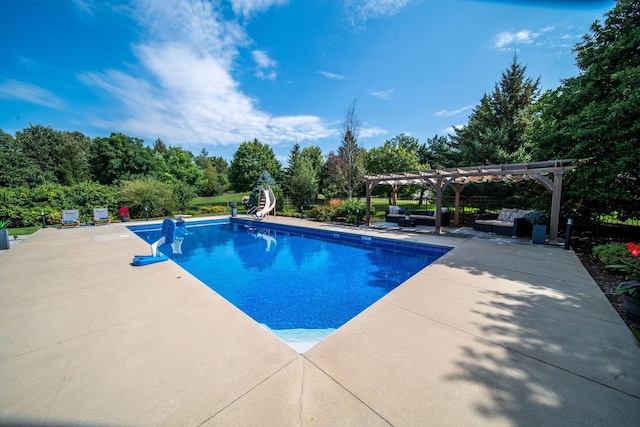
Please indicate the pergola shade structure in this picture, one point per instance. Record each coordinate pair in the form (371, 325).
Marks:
(548, 173)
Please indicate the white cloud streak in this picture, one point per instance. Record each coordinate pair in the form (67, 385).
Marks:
(382, 94)
(331, 76)
(449, 113)
(369, 132)
(506, 39)
(360, 11)
(249, 8)
(548, 37)
(183, 90)
(27, 92)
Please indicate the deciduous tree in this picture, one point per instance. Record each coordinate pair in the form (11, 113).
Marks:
(119, 157)
(248, 163)
(594, 117)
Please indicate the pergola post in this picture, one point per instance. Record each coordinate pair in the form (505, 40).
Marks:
(457, 188)
(438, 204)
(555, 207)
(369, 185)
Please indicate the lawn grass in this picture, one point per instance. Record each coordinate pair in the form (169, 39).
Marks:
(22, 231)
(222, 199)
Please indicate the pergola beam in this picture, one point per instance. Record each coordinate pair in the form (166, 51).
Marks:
(459, 177)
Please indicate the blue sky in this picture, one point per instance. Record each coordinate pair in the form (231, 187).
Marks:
(213, 74)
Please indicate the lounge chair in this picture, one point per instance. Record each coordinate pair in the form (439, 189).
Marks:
(70, 218)
(101, 216)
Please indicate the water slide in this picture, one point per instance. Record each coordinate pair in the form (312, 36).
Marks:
(269, 203)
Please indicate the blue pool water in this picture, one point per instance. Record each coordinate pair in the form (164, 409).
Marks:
(290, 278)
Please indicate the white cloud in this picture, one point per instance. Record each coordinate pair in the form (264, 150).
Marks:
(251, 7)
(548, 37)
(360, 11)
(451, 130)
(271, 75)
(262, 59)
(506, 39)
(369, 132)
(382, 94)
(183, 90)
(448, 113)
(84, 6)
(331, 76)
(22, 91)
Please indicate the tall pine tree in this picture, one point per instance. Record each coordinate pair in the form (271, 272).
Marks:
(496, 130)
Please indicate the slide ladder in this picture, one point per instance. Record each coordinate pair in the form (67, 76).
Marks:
(266, 204)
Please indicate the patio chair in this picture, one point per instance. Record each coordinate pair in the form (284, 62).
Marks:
(101, 216)
(70, 218)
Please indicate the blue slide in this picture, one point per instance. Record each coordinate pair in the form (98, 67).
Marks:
(168, 235)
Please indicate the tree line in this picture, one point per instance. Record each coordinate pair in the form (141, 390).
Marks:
(592, 117)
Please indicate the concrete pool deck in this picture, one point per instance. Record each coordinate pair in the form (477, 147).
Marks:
(493, 333)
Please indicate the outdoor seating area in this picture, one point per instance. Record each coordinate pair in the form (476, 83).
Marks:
(395, 214)
(509, 222)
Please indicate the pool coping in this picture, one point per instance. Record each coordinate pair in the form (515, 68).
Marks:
(503, 334)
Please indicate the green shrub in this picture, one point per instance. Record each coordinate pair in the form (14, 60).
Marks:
(291, 214)
(184, 194)
(354, 210)
(152, 194)
(213, 209)
(612, 253)
(88, 195)
(324, 213)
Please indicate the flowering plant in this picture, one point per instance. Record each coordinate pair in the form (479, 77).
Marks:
(632, 270)
(123, 212)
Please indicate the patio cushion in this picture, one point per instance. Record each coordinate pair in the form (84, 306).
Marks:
(521, 213)
(506, 214)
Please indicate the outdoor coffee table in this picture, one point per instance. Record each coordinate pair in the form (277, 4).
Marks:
(403, 222)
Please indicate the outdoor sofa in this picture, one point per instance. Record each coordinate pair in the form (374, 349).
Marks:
(509, 222)
(394, 213)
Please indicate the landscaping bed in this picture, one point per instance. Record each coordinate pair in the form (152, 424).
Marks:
(582, 244)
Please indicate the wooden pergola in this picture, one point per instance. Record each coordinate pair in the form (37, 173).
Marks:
(548, 173)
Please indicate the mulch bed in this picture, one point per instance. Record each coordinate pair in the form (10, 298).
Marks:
(582, 244)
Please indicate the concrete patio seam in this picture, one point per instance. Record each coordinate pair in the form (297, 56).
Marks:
(347, 390)
(267, 378)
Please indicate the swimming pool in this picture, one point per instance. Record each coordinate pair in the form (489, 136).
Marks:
(301, 283)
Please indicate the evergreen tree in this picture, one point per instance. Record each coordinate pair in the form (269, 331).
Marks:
(303, 185)
(346, 172)
(496, 130)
